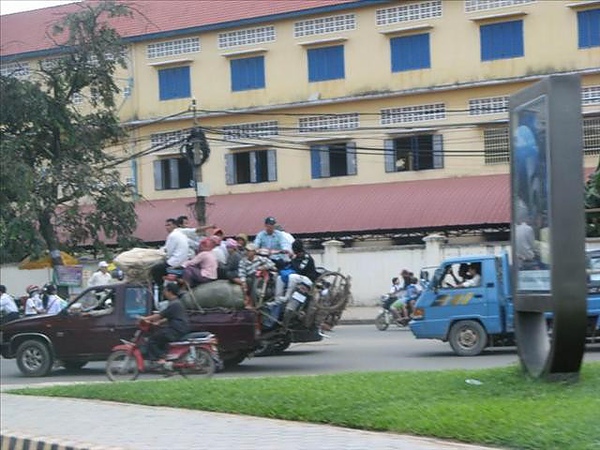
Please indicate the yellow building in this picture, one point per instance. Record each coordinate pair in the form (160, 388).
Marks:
(342, 118)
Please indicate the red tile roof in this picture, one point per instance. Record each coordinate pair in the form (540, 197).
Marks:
(442, 203)
(27, 31)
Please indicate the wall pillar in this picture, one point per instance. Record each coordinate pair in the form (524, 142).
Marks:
(330, 257)
(433, 249)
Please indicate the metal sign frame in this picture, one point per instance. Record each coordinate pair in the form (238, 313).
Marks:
(548, 227)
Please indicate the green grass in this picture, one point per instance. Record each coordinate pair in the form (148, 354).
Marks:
(507, 410)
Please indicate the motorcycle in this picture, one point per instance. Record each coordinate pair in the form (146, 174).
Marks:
(196, 353)
(386, 317)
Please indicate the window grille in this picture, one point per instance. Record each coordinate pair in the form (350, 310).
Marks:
(173, 48)
(484, 5)
(590, 95)
(325, 25)
(16, 69)
(591, 136)
(492, 105)
(249, 36)
(407, 13)
(496, 144)
(330, 122)
(250, 130)
(409, 114)
(170, 137)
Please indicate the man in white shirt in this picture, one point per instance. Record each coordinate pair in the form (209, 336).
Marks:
(101, 276)
(475, 279)
(7, 306)
(176, 249)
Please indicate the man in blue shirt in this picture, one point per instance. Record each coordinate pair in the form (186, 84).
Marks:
(274, 241)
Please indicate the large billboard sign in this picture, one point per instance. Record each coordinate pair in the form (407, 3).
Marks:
(548, 227)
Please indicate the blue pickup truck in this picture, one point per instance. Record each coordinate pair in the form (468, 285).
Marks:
(472, 318)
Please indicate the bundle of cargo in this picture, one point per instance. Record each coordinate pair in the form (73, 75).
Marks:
(215, 294)
(136, 263)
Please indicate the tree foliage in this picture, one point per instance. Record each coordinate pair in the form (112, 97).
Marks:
(592, 204)
(59, 187)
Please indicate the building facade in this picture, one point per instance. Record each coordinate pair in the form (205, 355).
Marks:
(311, 103)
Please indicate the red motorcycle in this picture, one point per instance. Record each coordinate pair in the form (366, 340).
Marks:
(195, 354)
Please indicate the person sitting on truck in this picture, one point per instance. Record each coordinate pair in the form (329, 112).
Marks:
(230, 270)
(176, 249)
(249, 264)
(475, 278)
(202, 268)
(176, 319)
(8, 307)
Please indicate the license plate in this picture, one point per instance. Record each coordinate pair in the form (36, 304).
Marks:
(299, 297)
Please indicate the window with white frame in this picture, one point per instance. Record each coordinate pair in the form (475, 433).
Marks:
(490, 105)
(16, 69)
(590, 95)
(485, 5)
(418, 152)
(173, 48)
(410, 12)
(408, 114)
(172, 173)
(248, 36)
(496, 144)
(256, 166)
(250, 130)
(328, 123)
(591, 136)
(333, 159)
(325, 25)
(169, 137)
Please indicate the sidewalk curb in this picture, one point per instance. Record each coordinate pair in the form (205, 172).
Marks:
(12, 442)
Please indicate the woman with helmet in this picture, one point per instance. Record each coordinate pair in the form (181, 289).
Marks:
(33, 305)
(176, 319)
(51, 302)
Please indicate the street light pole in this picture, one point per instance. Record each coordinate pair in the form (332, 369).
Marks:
(197, 151)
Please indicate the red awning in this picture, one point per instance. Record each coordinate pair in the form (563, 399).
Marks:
(355, 209)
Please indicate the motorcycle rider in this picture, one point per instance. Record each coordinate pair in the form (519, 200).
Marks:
(303, 265)
(176, 319)
(275, 242)
(249, 264)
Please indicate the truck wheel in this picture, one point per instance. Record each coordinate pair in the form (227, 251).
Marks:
(381, 322)
(264, 349)
(233, 359)
(121, 366)
(34, 359)
(282, 345)
(467, 338)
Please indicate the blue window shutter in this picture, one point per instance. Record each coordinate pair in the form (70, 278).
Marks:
(410, 52)
(158, 178)
(501, 40)
(272, 165)
(315, 161)
(173, 173)
(390, 155)
(588, 23)
(326, 63)
(230, 177)
(351, 158)
(438, 151)
(174, 83)
(253, 167)
(247, 73)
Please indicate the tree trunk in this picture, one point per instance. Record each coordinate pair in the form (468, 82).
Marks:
(49, 236)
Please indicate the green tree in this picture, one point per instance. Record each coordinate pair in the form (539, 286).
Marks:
(59, 188)
(592, 203)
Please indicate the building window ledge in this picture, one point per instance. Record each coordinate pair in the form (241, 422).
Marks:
(322, 41)
(171, 62)
(583, 5)
(414, 29)
(250, 51)
(500, 16)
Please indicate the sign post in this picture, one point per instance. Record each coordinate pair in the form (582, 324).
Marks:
(548, 227)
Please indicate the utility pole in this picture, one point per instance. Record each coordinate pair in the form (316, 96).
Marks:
(197, 151)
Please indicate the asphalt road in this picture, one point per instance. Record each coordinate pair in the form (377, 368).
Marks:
(351, 348)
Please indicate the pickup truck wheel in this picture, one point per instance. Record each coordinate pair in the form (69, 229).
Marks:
(233, 359)
(381, 322)
(34, 359)
(467, 338)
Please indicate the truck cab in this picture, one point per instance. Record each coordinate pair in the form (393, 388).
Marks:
(466, 303)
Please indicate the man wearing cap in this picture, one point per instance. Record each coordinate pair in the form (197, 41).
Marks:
(100, 276)
(274, 241)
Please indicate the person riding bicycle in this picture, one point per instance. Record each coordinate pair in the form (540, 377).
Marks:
(176, 319)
